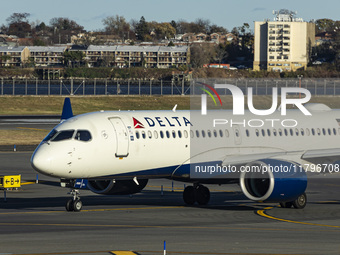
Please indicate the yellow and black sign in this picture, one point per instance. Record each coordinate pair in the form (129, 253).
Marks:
(10, 181)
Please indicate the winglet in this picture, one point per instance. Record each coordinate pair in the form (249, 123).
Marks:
(67, 110)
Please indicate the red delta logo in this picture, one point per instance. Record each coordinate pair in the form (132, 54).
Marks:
(137, 124)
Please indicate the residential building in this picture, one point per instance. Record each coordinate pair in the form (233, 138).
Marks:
(47, 56)
(283, 44)
(131, 55)
(13, 56)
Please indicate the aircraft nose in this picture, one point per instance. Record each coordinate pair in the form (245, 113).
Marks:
(41, 161)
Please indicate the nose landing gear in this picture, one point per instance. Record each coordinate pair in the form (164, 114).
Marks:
(74, 204)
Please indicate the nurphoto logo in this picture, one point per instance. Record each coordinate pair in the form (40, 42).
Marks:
(238, 100)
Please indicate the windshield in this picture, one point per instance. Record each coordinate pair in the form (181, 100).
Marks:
(50, 135)
(83, 135)
(63, 135)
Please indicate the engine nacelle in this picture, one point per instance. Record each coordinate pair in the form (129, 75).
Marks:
(276, 180)
(116, 187)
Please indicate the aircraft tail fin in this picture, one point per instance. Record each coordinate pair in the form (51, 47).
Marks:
(67, 110)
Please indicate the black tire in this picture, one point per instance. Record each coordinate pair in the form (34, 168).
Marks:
(300, 202)
(77, 205)
(189, 195)
(286, 204)
(69, 205)
(202, 195)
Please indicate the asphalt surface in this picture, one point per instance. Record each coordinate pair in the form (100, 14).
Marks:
(34, 221)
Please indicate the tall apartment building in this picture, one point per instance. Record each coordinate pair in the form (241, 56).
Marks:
(284, 44)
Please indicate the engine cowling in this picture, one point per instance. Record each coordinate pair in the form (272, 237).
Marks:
(116, 187)
(279, 181)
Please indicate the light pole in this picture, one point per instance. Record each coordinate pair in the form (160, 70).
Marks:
(300, 78)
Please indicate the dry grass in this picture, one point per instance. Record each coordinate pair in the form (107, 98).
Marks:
(22, 136)
(43, 105)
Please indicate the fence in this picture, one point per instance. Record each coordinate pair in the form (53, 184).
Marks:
(158, 87)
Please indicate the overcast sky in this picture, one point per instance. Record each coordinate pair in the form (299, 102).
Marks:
(226, 13)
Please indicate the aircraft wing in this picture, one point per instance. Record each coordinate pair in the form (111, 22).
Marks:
(313, 156)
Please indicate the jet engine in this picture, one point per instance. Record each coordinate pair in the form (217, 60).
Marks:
(271, 180)
(116, 187)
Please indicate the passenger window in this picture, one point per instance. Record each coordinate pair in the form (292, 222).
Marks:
(203, 133)
(263, 132)
(215, 133)
(237, 133)
(173, 133)
(318, 131)
(221, 133)
(191, 133)
(167, 134)
(185, 134)
(302, 131)
(226, 133)
(334, 131)
(149, 134)
(329, 131)
(179, 134)
(161, 134)
(257, 132)
(274, 132)
(247, 132)
(324, 131)
(83, 135)
(268, 132)
(209, 133)
(307, 131)
(143, 135)
(313, 131)
(137, 134)
(63, 135)
(297, 132)
(280, 131)
(286, 132)
(291, 132)
(155, 134)
(197, 133)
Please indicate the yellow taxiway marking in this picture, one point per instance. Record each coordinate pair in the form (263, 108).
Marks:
(27, 183)
(263, 214)
(38, 129)
(156, 252)
(100, 210)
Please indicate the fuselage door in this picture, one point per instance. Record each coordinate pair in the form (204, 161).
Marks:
(237, 134)
(122, 137)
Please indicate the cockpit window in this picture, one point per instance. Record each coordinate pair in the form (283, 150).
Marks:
(50, 135)
(63, 135)
(83, 135)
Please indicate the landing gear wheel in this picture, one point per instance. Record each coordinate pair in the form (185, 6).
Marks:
(74, 204)
(69, 205)
(300, 202)
(77, 205)
(189, 195)
(202, 195)
(286, 204)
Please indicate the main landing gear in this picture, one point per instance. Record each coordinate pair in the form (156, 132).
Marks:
(74, 204)
(298, 203)
(197, 193)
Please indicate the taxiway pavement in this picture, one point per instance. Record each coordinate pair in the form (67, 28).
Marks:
(34, 221)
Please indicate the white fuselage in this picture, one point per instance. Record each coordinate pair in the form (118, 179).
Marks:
(153, 144)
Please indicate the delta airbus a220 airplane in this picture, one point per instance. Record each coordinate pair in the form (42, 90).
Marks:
(118, 151)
